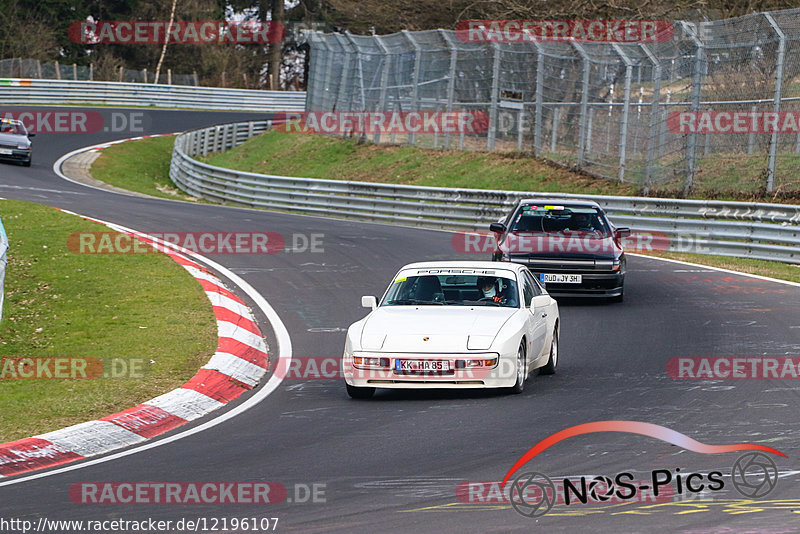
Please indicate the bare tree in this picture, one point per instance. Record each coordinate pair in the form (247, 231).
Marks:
(166, 40)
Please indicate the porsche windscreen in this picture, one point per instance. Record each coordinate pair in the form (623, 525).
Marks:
(566, 220)
(452, 290)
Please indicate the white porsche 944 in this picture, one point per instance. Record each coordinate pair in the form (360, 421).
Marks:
(453, 324)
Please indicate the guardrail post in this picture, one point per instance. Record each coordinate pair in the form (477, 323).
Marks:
(697, 75)
(652, 137)
(415, 78)
(776, 105)
(494, 96)
(584, 104)
(537, 125)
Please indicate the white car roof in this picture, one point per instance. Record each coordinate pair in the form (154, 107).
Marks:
(465, 265)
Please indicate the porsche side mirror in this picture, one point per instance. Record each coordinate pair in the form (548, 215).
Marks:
(368, 301)
(497, 227)
(540, 301)
(31, 135)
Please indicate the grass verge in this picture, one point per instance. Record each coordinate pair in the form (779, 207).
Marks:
(316, 156)
(141, 166)
(144, 310)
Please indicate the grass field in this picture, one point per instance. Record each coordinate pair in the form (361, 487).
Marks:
(145, 310)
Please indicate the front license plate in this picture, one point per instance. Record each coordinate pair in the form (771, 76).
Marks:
(421, 365)
(561, 278)
(5, 151)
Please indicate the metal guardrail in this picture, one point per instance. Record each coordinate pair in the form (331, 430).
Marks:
(753, 230)
(14, 91)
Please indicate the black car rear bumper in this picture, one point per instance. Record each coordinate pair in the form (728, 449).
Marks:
(17, 155)
(592, 285)
(595, 282)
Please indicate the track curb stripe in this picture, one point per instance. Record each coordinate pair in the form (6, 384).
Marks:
(238, 365)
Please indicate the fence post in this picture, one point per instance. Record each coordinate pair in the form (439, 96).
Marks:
(327, 78)
(360, 70)
(343, 87)
(751, 137)
(494, 96)
(415, 81)
(584, 103)
(652, 137)
(691, 146)
(776, 106)
(58, 70)
(626, 107)
(554, 136)
(451, 83)
(376, 138)
(589, 131)
(537, 127)
(91, 71)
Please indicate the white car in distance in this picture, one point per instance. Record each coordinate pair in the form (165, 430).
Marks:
(454, 324)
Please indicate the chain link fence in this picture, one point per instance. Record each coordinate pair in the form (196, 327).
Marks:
(33, 68)
(611, 109)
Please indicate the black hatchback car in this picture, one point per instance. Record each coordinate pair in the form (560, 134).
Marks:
(569, 244)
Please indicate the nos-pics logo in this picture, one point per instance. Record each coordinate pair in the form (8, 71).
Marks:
(532, 494)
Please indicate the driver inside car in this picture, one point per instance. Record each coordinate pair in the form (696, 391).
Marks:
(581, 222)
(493, 289)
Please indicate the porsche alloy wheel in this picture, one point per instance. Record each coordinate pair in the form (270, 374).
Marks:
(522, 371)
